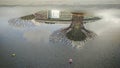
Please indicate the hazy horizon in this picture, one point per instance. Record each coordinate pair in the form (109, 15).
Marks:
(58, 2)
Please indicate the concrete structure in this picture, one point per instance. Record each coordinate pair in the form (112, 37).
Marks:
(49, 14)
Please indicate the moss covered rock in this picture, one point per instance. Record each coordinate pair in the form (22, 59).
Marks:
(28, 17)
(76, 35)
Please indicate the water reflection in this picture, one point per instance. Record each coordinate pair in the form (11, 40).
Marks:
(20, 23)
(58, 36)
(102, 52)
(61, 35)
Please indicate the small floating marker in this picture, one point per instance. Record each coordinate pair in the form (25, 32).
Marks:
(13, 55)
(70, 61)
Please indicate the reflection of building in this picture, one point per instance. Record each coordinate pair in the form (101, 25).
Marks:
(53, 14)
(56, 16)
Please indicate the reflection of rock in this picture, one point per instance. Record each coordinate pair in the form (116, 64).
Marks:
(75, 34)
(20, 23)
(28, 17)
(76, 31)
(60, 37)
(35, 22)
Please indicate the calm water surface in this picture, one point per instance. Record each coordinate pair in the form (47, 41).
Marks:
(33, 49)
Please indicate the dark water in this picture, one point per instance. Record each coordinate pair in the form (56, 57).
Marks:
(33, 49)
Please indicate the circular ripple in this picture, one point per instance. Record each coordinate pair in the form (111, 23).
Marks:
(60, 37)
(18, 22)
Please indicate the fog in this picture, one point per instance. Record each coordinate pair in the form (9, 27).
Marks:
(33, 49)
(57, 2)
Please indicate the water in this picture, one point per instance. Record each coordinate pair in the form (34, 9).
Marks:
(33, 49)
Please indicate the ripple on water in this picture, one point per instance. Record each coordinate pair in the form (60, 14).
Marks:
(60, 37)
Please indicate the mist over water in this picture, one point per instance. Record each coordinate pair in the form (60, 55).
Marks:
(33, 49)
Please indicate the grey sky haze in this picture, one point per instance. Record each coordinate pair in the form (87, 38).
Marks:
(57, 2)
